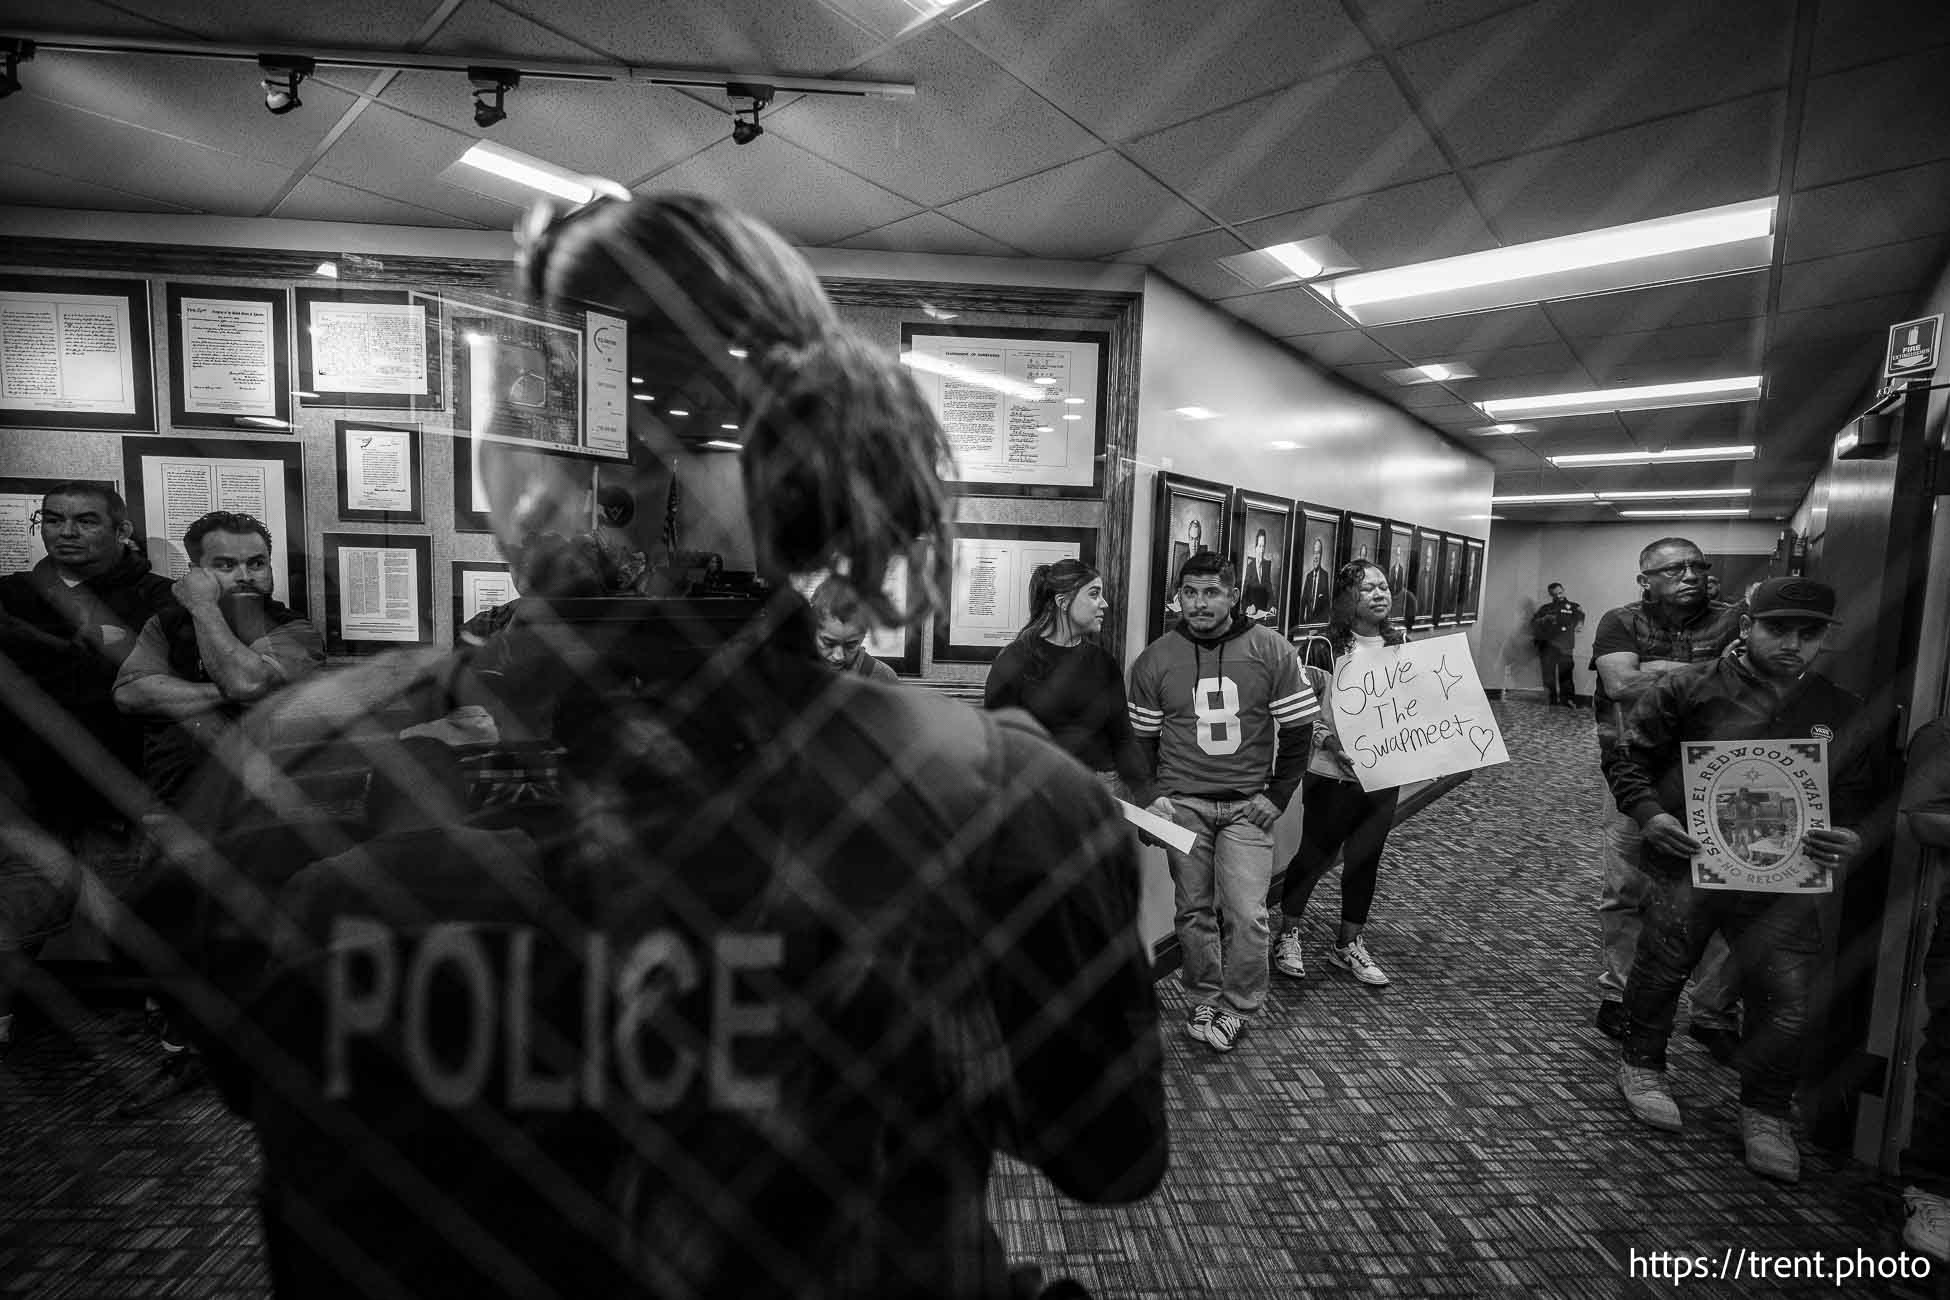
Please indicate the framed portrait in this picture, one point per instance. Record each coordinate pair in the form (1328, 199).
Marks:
(1423, 559)
(1023, 408)
(1310, 598)
(172, 482)
(1397, 548)
(21, 547)
(75, 354)
(1448, 581)
(1262, 536)
(1190, 516)
(1360, 537)
(479, 586)
(378, 470)
(378, 592)
(1471, 606)
(230, 357)
(377, 348)
(988, 590)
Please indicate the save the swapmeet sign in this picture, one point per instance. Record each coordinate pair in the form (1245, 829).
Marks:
(1413, 712)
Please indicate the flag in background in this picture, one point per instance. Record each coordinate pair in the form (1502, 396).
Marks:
(670, 513)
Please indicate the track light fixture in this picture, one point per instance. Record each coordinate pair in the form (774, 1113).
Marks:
(495, 82)
(743, 131)
(282, 73)
(14, 51)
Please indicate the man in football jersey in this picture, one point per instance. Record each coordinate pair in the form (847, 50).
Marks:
(1223, 715)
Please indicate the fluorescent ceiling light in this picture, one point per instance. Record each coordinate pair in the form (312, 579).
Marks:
(1648, 397)
(988, 379)
(1546, 499)
(535, 173)
(1292, 262)
(329, 270)
(1504, 428)
(1677, 493)
(1723, 511)
(1195, 412)
(1284, 444)
(1436, 372)
(1713, 241)
(723, 444)
(1296, 259)
(1674, 456)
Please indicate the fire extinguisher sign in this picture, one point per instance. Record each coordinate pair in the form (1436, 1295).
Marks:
(1913, 347)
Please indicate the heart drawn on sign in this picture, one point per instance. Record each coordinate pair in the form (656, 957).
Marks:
(1487, 738)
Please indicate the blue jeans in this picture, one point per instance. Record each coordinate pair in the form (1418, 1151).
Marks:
(1229, 868)
(1776, 943)
(1716, 1003)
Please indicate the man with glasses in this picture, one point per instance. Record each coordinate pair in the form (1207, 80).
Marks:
(1671, 625)
(65, 627)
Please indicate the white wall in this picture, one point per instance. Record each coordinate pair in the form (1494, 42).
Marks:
(1598, 565)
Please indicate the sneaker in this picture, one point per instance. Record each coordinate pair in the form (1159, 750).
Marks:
(1719, 1041)
(1287, 958)
(177, 1075)
(1199, 1024)
(1926, 1223)
(1645, 1093)
(1353, 958)
(1771, 1151)
(1612, 1020)
(1223, 1036)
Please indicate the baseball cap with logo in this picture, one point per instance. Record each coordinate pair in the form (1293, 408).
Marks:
(1795, 598)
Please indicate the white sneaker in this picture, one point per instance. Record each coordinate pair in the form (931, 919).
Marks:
(1644, 1090)
(1287, 958)
(1926, 1223)
(1771, 1150)
(1353, 958)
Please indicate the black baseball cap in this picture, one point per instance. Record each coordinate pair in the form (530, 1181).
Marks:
(1796, 598)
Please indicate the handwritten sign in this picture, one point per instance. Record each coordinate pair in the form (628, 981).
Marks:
(1751, 804)
(1413, 712)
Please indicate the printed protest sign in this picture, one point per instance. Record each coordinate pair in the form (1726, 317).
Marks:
(1751, 804)
(1414, 712)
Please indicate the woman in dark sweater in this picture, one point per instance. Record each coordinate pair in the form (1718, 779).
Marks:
(1059, 674)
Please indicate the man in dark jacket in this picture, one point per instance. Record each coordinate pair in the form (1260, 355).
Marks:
(65, 627)
(1554, 628)
(1764, 692)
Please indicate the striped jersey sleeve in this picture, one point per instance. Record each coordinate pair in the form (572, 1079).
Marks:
(1147, 717)
(1294, 702)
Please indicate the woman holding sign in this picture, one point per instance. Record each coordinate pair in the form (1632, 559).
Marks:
(1341, 817)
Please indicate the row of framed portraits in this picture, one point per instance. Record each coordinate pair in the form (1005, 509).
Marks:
(1286, 552)
(75, 353)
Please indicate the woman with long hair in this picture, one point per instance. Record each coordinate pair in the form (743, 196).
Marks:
(1341, 817)
(1058, 671)
(806, 950)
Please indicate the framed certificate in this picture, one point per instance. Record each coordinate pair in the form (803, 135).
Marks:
(230, 357)
(368, 347)
(378, 470)
(378, 592)
(173, 482)
(75, 354)
(988, 594)
(479, 586)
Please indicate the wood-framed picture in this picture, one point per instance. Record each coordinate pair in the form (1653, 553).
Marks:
(378, 471)
(1471, 607)
(76, 354)
(1024, 409)
(1422, 575)
(21, 544)
(988, 590)
(518, 379)
(172, 482)
(1448, 581)
(1262, 555)
(229, 356)
(1190, 515)
(372, 348)
(471, 513)
(378, 592)
(1398, 551)
(1360, 537)
(479, 586)
(1310, 599)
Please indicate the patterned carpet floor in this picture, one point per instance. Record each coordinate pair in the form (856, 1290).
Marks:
(1457, 1133)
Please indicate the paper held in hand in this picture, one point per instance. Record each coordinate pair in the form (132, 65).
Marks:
(1166, 832)
(1750, 804)
(1413, 712)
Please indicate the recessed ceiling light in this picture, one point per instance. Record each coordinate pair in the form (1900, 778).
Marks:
(1546, 499)
(635, 380)
(740, 353)
(1673, 456)
(1284, 445)
(1677, 493)
(1434, 373)
(1693, 512)
(1292, 262)
(535, 173)
(643, 397)
(723, 444)
(1647, 397)
(732, 427)
(1712, 241)
(674, 411)
(1195, 412)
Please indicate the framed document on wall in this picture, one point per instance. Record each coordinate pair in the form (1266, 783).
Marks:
(988, 593)
(1262, 534)
(479, 586)
(229, 357)
(173, 482)
(378, 592)
(368, 347)
(378, 470)
(1190, 516)
(75, 354)
(1023, 408)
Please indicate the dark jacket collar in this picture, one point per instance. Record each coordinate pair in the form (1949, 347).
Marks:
(1238, 627)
